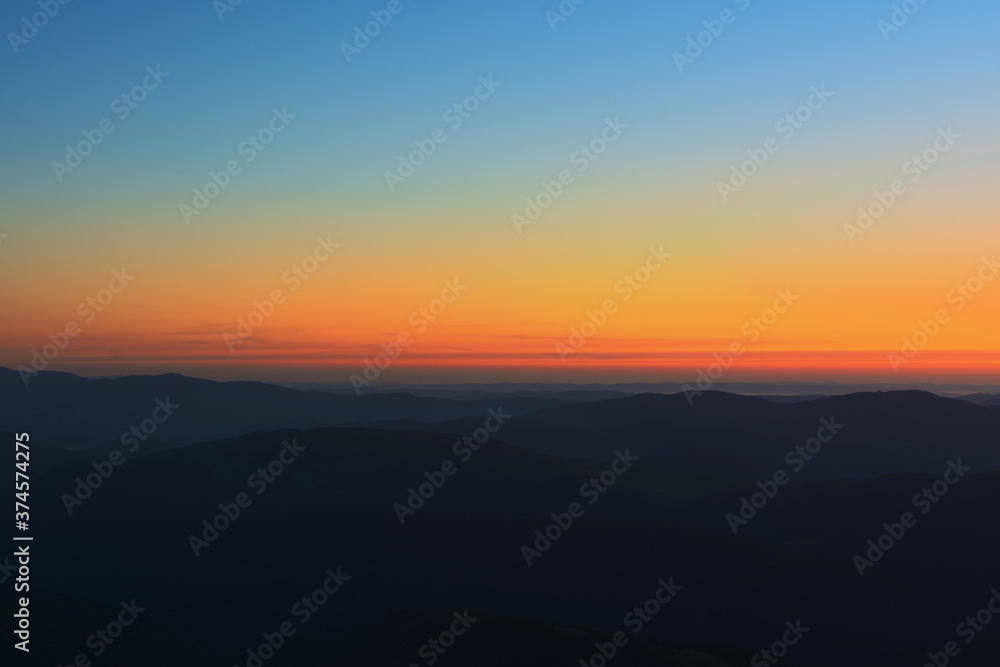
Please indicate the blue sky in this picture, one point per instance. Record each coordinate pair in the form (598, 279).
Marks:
(606, 59)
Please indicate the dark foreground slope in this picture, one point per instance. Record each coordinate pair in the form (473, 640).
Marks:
(331, 509)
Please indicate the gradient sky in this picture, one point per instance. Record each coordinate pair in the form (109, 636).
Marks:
(656, 185)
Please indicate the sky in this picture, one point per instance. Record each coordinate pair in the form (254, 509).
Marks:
(622, 189)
